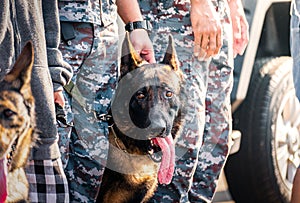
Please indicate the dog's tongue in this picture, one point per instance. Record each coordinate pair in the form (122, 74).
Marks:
(3, 183)
(167, 165)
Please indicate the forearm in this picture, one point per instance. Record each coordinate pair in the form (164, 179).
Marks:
(235, 4)
(129, 10)
(60, 71)
(200, 2)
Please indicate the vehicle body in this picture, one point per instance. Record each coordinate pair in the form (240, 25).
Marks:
(265, 109)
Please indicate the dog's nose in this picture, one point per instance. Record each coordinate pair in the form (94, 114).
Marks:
(163, 133)
(158, 127)
(158, 122)
(160, 132)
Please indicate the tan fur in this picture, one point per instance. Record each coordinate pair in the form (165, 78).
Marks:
(17, 123)
(130, 174)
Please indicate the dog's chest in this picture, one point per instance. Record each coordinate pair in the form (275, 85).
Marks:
(121, 161)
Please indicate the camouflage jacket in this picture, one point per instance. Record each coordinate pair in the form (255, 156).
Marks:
(101, 12)
(19, 24)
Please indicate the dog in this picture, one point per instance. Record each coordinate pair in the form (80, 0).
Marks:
(145, 121)
(16, 127)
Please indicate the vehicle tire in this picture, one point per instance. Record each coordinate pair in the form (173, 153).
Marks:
(269, 120)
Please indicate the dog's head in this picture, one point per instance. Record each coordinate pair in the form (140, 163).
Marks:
(16, 102)
(16, 113)
(147, 103)
(148, 95)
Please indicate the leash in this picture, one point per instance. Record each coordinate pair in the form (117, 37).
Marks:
(73, 90)
(117, 139)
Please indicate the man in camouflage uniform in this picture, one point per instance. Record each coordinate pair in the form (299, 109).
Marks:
(203, 146)
(90, 46)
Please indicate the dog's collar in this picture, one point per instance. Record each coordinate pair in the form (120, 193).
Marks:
(120, 145)
(117, 140)
(111, 124)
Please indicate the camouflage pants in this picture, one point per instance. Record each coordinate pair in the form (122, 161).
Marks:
(83, 138)
(203, 146)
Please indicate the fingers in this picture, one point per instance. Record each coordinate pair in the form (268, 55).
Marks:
(245, 34)
(142, 44)
(205, 41)
(206, 46)
(148, 55)
(240, 37)
(197, 45)
(59, 98)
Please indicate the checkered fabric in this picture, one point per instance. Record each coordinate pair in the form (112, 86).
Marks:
(47, 181)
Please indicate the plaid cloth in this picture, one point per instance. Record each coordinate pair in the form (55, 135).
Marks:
(47, 181)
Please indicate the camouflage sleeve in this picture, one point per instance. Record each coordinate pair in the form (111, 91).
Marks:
(60, 71)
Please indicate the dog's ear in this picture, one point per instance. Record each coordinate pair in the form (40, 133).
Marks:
(130, 59)
(20, 75)
(170, 57)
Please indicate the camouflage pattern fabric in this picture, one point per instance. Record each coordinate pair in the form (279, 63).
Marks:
(98, 12)
(203, 146)
(83, 137)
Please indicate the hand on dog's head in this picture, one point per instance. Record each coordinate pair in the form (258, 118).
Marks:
(144, 88)
(131, 60)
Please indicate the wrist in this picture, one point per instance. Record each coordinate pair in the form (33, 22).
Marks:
(232, 1)
(144, 24)
(139, 32)
(199, 2)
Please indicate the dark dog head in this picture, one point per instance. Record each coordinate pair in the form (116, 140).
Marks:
(16, 113)
(148, 95)
(146, 107)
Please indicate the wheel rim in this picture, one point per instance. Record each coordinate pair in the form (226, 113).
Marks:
(287, 138)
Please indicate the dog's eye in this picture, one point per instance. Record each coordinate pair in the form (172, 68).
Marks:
(140, 95)
(169, 94)
(7, 113)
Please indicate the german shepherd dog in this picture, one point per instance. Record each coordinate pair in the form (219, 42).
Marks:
(146, 118)
(16, 127)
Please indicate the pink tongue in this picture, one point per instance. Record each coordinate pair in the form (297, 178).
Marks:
(167, 165)
(3, 183)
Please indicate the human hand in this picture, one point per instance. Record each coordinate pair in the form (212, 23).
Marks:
(59, 98)
(240, 27)
(142, 44)
(207, 29)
